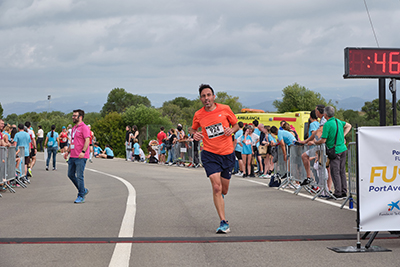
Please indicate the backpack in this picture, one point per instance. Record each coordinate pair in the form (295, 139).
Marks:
(275, 181)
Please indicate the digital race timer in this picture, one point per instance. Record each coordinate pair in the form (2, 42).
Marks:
(371, 62)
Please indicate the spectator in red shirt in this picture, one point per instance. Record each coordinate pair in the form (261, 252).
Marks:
(161, 135)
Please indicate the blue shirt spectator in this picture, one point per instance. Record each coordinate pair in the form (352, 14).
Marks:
(287, 137)
(22, 138)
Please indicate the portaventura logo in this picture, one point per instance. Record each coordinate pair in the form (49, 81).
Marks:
(385, 188)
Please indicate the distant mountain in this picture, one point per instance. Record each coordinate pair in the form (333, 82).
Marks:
(94, 103)
(64, 104)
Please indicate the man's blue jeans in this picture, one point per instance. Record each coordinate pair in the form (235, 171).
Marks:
(76, 167)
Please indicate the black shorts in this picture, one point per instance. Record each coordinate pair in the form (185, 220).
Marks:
(27, 160)
(238, 155)
(62, 145)
(269, 150)
(110, 157)
(214, 163)
(32, 154)
(255, 150)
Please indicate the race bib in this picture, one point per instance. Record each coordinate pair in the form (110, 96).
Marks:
(215, 130)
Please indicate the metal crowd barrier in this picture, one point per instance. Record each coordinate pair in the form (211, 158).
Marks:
(8, 171)
(352, 173)
(185, 152)
(293, 172)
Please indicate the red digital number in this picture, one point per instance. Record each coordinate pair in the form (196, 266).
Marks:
(383, 62)
(393, 63)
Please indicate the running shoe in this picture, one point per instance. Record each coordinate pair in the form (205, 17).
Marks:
(306, 181)
(239, 174)
(223, 227)
(30, 172)
(47, 168)
(79, 200)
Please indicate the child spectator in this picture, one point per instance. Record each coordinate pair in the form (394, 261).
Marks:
(162, 149)
(247, 150)
(136, 150)
(97, 149)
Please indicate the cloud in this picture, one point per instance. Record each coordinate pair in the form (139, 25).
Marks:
(66, 47)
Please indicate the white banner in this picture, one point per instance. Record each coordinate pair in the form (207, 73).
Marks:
(379, 178)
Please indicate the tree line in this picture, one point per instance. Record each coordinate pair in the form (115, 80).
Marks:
(123, 108)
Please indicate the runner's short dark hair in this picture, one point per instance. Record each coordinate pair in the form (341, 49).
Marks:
(274, 130)
(205, 86)
(240, 123)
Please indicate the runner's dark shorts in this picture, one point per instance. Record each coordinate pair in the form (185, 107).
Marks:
(32, 154)
(62, 145)
(214, 163)
(238, 155)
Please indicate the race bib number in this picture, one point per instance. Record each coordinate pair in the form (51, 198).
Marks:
(215, 130)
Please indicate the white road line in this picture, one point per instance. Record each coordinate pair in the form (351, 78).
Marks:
(122, 251)
(306, 196)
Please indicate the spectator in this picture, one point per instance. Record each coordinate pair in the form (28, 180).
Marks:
(171, 147)
(40, 138)
(91, 143)
(163, 150)
(97, 149)
(247, 151)
(288, 127)
(6, 136)
(161, 135)
(108, 153)
(305, 157)
(22, 138)
(332, 127)
(195, 148)
(180, 135)
(152, 155)
(128, 144)
(135, 134)
(256, 138)
(52, 141)
(238, 149)
(281, 125)
(284, 139)
(136, 150)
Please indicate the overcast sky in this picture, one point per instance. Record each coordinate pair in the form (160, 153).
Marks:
(82, 47)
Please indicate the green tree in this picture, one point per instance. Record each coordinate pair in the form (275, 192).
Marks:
(11, 119)
(231, 101)
(119, 100)
(298, 98)
(141, 116)
(372, 117)
(353, 117)
(1, 111)
(111, 130)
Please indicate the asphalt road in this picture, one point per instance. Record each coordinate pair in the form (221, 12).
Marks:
(151, 215)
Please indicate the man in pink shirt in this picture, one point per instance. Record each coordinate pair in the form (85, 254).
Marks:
(79, 153)
(161, 135)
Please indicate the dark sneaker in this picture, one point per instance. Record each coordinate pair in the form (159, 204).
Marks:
(306, 181)
(223, 227)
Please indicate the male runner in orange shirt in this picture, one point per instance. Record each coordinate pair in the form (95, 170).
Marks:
(218, 156)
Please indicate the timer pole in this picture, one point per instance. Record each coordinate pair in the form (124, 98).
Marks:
(392, 88)
(382, 102)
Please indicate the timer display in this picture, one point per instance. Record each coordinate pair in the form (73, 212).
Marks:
(371, 63)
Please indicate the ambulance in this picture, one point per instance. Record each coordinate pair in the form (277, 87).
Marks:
(298, 119)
